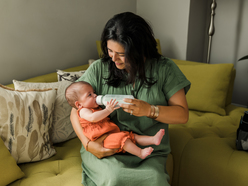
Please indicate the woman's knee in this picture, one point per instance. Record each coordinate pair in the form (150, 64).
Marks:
(111, 177)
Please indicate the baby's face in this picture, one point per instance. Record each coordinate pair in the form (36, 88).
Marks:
(87, 97)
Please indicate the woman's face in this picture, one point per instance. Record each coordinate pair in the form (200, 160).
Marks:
(117, 52)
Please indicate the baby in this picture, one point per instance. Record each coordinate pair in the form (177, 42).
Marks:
(95, 122)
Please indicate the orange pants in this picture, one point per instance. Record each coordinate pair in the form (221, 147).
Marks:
(117, 140)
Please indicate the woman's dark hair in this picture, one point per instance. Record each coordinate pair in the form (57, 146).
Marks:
(137, 38)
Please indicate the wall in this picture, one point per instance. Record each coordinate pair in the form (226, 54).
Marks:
(169, 20)
(198, 26)
(40, 36)
(230, 43)
(182, 27)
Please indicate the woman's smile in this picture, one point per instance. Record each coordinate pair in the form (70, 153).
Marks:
(118, 63)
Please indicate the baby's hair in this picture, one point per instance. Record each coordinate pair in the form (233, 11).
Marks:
(71, 92)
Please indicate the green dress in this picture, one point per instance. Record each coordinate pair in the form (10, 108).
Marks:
(126, 169)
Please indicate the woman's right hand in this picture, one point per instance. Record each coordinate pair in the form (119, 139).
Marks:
(96, 148)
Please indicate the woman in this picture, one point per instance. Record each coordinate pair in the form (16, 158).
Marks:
(131, 64)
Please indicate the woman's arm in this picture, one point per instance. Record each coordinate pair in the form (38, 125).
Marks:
(94, 147)
(176, 112)
(77, 127)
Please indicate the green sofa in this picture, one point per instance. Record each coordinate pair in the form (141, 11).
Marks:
(203, 151)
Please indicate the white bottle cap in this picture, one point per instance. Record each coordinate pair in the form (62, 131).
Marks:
(99, 100)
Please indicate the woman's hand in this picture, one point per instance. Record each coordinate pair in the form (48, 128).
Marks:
(176, 112)
(96, 148)
(137, 107)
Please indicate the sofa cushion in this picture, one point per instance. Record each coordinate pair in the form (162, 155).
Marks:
(209, 86)
(9, 170)
(25, 122)
(64, 168)
(206, 149)
(62, 129)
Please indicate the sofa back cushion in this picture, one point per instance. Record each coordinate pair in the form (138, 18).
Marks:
(52, 77)
(230, 88)
(209, 86)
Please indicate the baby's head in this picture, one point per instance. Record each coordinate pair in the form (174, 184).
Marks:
(81, 94)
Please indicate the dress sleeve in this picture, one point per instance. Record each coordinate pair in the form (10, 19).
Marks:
(174, 80)
(91, 74)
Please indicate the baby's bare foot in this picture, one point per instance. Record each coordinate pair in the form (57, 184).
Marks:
(146, 152)
(158, 137)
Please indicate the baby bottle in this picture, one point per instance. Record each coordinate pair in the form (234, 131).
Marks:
(102, 100)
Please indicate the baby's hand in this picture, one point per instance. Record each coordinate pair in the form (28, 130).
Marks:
(111, 105)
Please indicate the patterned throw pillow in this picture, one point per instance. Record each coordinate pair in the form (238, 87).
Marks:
(25, 123)
(69, 76)
(62, 129)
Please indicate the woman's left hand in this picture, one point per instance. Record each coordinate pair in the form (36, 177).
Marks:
(137, 107)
